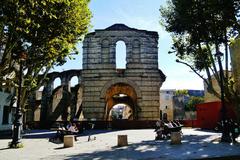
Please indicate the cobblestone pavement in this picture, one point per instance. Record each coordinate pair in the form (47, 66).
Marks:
(196, 144)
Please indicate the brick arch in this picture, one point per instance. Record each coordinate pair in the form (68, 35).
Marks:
(53, 80)
(69, 79)
(129, 41)
(73, 75)
(127, 102)
(112, 98)
(121, 88)
(53, 76)
(124, 39)
(67, 75)
(120, 80)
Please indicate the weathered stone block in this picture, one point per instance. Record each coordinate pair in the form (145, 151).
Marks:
(68, 141)
(122, 140)
(176, 138)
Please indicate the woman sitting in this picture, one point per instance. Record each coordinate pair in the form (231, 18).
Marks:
(74, 130)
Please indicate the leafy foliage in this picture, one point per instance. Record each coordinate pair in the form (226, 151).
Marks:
(202, 20)
(181, 92)
(45, 31)
(199, 29)
(193, 101)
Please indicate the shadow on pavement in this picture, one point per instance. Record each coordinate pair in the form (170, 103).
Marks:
(39, 134)
(192, 147)
(4, 148)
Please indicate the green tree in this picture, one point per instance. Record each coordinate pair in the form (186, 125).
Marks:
(199, 29)
(193, 101)
(181, 92)
(45, 31)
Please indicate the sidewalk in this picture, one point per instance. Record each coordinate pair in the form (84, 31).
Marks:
(196, 144)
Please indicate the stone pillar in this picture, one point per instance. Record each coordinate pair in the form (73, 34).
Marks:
(85, 52)
(113, 54)
(176, 138)
(85, 57)
(46, 98)
(31, 108)
(65, 83)
(79, 79)
(128, 53)
(122, 140)
(68, 141)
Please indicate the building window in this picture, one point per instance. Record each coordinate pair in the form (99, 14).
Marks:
(57, 82)
(121, 55)
(5, 115)
(165, 107)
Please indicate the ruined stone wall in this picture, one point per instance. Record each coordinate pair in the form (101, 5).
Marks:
(53, 103)
(142, 73)
(142, 79)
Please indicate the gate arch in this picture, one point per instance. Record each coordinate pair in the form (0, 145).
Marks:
(120, 80)
(121, 93)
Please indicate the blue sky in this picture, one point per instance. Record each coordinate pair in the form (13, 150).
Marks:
(140, 14)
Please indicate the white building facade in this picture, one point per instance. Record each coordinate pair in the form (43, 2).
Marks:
(166, 103)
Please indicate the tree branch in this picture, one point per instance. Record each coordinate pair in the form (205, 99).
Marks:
(215, 72)
(194, 70)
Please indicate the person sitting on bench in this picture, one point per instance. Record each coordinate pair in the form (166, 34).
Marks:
(73, 130)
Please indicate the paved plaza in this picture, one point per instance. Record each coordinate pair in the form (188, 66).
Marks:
(196, 144)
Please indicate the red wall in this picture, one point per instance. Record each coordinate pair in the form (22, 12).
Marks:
(189, 123)
(208, 114)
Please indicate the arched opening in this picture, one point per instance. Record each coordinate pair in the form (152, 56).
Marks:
(121, 102)
(121, 55)
(74, 81)
(121, 111)
(56, 82)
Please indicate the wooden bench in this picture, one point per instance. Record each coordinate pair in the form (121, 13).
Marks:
(63, 132)
(167, 130)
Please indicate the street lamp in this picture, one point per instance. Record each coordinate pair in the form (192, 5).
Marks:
(225, 131)
(18, 115)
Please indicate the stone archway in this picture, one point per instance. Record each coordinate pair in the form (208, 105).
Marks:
(121, 93)
(121, 80)
(121, 111)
